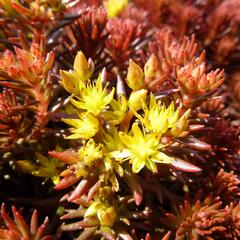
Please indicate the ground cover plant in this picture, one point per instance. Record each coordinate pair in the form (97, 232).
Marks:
(120, 120)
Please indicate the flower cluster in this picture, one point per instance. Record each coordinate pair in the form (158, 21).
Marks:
(130, 132)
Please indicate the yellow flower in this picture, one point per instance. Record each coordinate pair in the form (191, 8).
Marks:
(93, 98)
(45, 167)
(86, 126)
(106, 214)
(102, 207)
(81, 170)
(89, 157)
(111, 140)
(117, 111)
(141, 149)
(91, 152)
(110, 166)
(157, 118)
(74, 81)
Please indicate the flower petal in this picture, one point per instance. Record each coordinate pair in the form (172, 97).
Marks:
(163, 158)
(138, 164)
(151, 165)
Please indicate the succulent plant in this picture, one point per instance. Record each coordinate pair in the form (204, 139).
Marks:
(17, 228)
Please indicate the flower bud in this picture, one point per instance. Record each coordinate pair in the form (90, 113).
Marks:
(107, 216)
(135, 76)
(151, 67)
(26, 166)
(83, 68)
(71, 82)
(136, 98)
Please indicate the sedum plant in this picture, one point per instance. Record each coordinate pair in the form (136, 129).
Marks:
(120, 134)
(17, 228)
(119, 120)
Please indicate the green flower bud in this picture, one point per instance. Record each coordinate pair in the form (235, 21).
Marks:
(135, 75)
(83, 68)
(151, 67)
(107, 216)
(71, 82)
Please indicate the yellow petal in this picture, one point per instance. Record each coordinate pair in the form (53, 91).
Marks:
(137, 133)
(163, 158)
(151, 166)
(138, 164)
